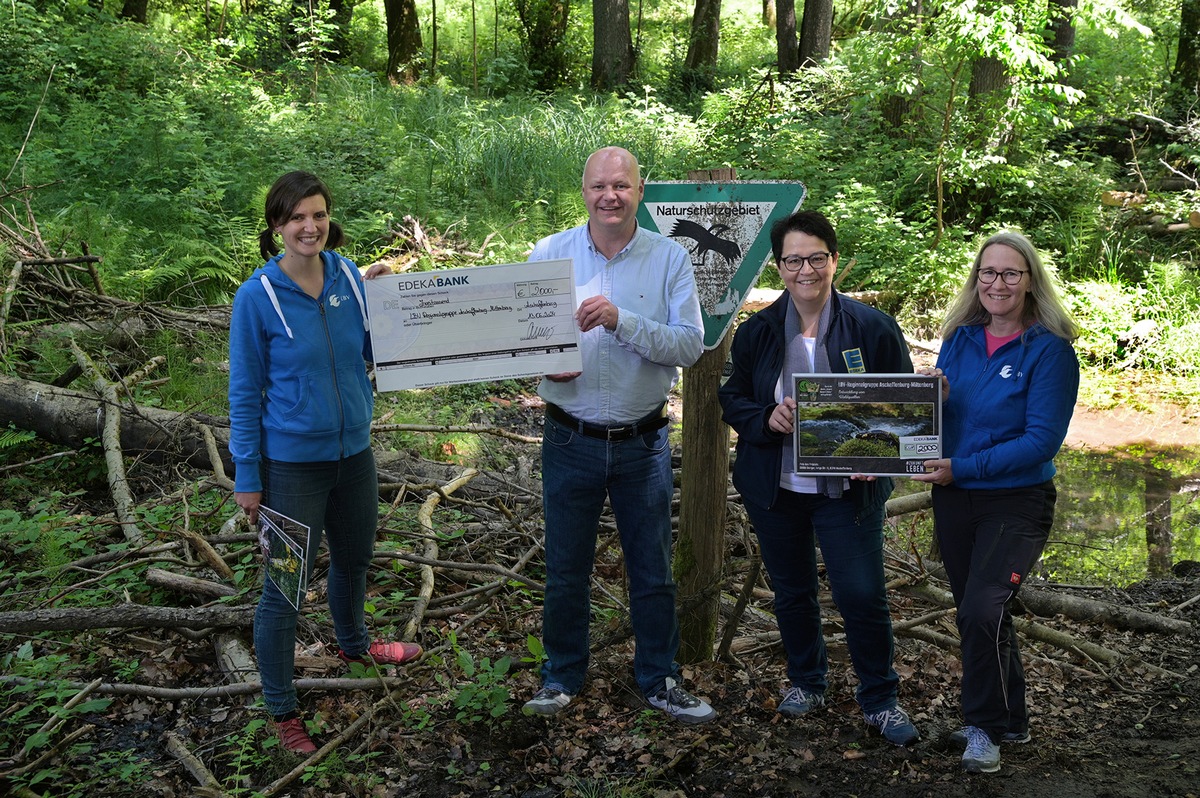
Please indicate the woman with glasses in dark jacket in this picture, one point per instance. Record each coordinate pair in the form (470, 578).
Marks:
(813, 329)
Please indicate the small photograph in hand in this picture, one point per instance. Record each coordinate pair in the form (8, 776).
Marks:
(285, 544)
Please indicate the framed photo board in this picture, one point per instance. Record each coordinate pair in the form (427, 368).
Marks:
(871, 424)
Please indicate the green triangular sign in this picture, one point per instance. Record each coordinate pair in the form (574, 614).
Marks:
(726, 228)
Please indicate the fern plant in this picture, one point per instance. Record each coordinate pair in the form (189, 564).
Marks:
(11, 436)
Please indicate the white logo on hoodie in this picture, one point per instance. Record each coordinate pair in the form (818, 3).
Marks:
(1006, 372)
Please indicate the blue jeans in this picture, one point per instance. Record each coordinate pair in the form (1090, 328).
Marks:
(341, 499)
(852, 547)
(577, 473)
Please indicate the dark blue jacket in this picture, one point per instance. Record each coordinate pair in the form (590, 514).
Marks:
(1007, 415)
(748, 396)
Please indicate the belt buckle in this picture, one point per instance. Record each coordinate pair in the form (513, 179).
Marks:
(611, 432)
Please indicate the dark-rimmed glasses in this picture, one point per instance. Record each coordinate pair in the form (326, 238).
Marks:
(794, 263)
(1009, 276)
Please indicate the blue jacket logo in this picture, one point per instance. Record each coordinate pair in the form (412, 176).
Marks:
(1006, 372)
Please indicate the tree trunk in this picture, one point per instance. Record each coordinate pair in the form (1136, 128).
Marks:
(768, 15)
(700, 65)
(69, 418)
(903, 22)
(404, 40)
(544, 30)
(343, 15)
(1185, 78)
(135, 10)
(612, 45)
(816, 31)
(786, 45)
(1062, 25)
(987, 77)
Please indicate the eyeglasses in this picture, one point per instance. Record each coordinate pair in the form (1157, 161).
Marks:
(1009, 276)
(793, 263)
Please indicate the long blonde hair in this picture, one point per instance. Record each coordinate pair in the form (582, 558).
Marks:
(1042, 302)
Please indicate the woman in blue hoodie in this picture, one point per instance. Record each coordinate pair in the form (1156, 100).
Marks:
(300, 407)
(1010, 379)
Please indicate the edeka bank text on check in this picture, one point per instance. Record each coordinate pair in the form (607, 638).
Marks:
(470, 325)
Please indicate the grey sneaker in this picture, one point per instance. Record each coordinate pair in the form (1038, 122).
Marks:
(680, 704)
(894, 724)
(548, 701)
(982, 755)
(797, 702)
(959, 738)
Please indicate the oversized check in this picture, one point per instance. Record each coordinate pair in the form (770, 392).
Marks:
(471, 325)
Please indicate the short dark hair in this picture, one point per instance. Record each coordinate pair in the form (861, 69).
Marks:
(286, 193)
(812, 223)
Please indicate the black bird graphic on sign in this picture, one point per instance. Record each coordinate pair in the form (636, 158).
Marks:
(707, 240)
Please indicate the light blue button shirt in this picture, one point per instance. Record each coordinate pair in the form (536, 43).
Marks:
(628, 372)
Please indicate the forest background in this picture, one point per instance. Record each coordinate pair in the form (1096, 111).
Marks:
(454, 133)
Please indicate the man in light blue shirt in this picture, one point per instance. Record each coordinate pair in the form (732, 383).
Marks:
(606, 436)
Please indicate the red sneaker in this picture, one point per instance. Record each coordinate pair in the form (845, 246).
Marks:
(385, 654)
(294, 737)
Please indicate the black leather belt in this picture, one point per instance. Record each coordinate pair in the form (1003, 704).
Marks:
(623, 432)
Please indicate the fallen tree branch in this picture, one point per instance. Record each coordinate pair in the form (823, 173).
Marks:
(125, 616)
(6, 303)
(344, 684)
(425, 516)
(460, 566)
(474, 429)
(68, 418)
(114, 457)
(1045, 634)
(191, 763)
(191, 585)
(1047, 604)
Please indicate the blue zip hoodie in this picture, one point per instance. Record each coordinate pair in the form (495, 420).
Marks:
(298, 385)
(1007, 415)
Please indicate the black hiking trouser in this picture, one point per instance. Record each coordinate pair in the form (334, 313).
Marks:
(990, 539)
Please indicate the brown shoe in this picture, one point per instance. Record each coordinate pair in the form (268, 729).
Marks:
(294, 737)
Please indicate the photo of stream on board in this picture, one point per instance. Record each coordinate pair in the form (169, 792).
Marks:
(874, 424)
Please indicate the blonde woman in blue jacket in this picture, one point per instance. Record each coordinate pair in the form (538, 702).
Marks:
(1010, 379)
(300, 407)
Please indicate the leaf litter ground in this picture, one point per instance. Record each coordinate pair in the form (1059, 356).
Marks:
(1124, 731)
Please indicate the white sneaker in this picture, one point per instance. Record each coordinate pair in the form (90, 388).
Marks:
(680, 704)
(548, 701)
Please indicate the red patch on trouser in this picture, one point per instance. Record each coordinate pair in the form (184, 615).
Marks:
(1015, 579)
